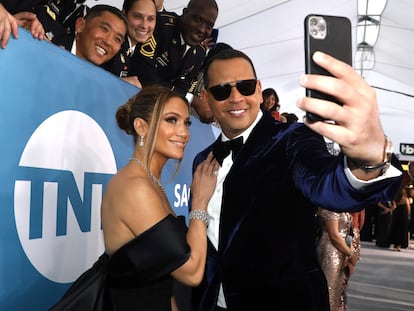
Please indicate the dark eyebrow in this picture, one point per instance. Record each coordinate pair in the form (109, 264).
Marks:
(105, 23)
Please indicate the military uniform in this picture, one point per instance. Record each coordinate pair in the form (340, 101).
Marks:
(120, 64)
(16, 6)
(161, 58)
(58, 17)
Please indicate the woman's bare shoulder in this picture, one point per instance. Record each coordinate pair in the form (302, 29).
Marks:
(131, 206)
(134, 200)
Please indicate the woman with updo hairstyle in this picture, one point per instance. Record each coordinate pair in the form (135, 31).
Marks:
(147, 244)
(147, 105)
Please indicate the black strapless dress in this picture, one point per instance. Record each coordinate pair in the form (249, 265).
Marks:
(139, 272)
(136, 276)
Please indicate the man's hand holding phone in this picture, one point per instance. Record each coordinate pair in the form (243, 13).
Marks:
(355, 125)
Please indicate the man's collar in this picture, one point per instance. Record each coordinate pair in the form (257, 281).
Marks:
(73, 50)
(247, 132)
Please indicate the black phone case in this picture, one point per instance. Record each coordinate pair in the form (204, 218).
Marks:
(337, 43)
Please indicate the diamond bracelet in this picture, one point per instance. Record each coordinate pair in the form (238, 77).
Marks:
(200, 215)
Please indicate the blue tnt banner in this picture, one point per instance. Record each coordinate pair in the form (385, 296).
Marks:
(60, 146)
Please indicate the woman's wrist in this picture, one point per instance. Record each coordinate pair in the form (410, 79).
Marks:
(200, 215)
(351, 252)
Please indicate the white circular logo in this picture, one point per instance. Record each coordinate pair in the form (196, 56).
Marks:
(57, 213)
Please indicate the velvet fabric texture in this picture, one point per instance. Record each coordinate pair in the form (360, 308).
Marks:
(266, 253)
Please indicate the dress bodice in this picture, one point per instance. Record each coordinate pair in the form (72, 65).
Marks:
(139, 272)
(344, 221)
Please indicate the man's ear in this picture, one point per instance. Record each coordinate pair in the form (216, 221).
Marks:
(259, 90)
(79, 24)
(204, 97)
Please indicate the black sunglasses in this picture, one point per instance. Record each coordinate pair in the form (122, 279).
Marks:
(222, 91)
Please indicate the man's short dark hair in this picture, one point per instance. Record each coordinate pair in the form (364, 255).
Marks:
(213, 3)
(98, 9)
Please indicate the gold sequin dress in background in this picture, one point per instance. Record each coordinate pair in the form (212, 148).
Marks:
(332, 260)
(356, 242)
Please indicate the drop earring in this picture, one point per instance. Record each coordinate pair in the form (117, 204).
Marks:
(141, 141)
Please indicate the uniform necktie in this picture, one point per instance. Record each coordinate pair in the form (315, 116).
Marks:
(222, 149)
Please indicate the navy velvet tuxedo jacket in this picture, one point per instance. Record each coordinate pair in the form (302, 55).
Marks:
(266, 253)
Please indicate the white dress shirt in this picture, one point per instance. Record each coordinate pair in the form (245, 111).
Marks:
(214, 206)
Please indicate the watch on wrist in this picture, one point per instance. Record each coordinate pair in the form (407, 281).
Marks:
(385, 164)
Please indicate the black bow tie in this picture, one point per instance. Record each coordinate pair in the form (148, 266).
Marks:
(222, 149)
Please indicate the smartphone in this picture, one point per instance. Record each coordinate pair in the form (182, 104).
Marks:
(331, 35)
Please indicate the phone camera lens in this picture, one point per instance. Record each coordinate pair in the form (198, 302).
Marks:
(321, 27)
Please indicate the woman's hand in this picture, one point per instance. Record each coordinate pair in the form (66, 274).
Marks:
(204, 182)
(133, 80)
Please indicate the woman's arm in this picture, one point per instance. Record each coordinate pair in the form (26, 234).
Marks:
(361, 219)
(339, 242)
(202, 188)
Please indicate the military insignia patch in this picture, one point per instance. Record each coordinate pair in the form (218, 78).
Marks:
(49, 35)
(148, 47)
(170, 22)
(163, 60)
(187, 71)
(50, 12)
